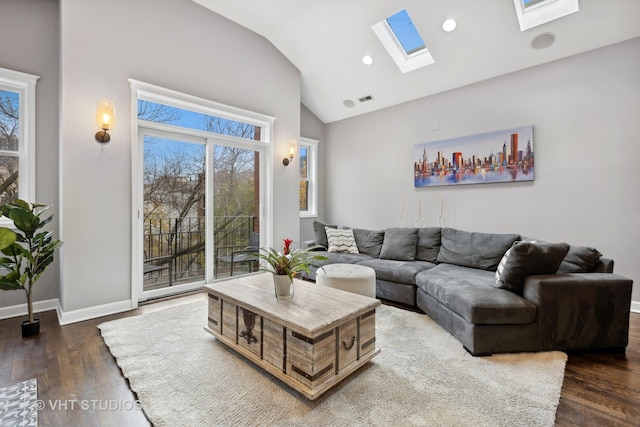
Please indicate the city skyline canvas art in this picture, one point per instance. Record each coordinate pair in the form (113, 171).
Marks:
(501, 156)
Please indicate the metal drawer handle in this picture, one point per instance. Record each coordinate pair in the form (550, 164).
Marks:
(348, 346)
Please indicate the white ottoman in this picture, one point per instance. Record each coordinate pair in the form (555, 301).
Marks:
(348, 277)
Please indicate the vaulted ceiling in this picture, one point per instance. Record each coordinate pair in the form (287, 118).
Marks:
(326, 40)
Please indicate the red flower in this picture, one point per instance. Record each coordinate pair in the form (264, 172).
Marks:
(287, 245)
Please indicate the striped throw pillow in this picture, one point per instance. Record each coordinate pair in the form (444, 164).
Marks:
(341, 241)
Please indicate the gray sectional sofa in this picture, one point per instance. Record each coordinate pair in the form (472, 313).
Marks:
(495, 293)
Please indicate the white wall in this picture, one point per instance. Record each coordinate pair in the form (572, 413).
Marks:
(171, 43)
(585, 111)
(29, 33)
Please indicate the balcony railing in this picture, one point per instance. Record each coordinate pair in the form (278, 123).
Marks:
(174, 247)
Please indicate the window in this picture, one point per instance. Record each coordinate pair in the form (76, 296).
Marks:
(403, 42)
(308, 177)
(17, 136)
(405, 32)
(533, 4)
(532, 13)
(193, 119)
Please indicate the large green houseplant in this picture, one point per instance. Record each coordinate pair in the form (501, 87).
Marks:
(27, 250)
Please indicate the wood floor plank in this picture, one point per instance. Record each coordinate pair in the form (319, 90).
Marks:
(73, 364)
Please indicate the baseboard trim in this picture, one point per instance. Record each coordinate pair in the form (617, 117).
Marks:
(74, 316)
(22, 309)
(67, 317)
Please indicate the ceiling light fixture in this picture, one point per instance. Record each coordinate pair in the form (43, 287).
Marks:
(367, 60)
(449, 25)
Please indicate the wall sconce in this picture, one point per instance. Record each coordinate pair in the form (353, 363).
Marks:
(105, 119)
(292, 152)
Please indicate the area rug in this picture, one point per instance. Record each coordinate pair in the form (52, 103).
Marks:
(183, 376)
(18, 404)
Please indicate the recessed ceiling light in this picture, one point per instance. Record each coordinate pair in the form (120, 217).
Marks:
(349, 103)
(449, 25)
(367, 60)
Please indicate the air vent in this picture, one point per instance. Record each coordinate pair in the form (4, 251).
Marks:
(366, 98)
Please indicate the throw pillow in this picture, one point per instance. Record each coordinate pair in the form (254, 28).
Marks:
(527, 258)
(580, 259)
(341, 241)
(369, 241)
(321, 234)
(400, 244)
(428, 246)
(472, 249)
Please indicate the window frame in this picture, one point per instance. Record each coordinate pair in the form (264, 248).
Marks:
(25, 85)
(312, 177)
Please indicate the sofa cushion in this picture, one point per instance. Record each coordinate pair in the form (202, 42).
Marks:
(579, 259)
(341, 240)
(469, 292)
(428, 246)
(397, 271)
(320, 232)
(477, 250)
(399, 244)
(528, 258)
(369, 241)
(333, 258)
(340, 258)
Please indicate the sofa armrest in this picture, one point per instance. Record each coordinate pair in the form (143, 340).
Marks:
(581, 310)
(604, 265)
(307, 244)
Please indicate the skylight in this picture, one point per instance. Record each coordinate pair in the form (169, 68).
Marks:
(405, 32)
(532, 4)
(532, 13)
(401, 38)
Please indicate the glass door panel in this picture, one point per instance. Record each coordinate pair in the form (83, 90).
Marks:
(174, 206)
(236, 200)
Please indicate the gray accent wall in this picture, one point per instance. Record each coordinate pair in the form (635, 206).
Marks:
(29, 31)
(585, 112)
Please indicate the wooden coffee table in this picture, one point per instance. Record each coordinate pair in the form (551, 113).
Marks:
(311, 342)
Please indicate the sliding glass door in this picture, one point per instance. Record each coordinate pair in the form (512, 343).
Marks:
(173, 213)
(200, 216)
(200, 191)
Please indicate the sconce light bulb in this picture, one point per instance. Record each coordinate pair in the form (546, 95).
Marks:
(105, 121)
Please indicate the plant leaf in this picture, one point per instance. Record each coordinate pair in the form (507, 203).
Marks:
(7, 238)
(25, 221)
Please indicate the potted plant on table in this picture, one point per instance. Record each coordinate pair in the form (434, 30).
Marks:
(286, 265)
(27, 251)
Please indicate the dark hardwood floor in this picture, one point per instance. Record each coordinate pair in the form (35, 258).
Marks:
(81, 385)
